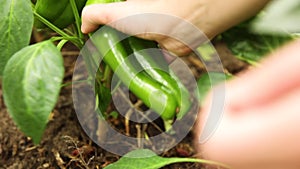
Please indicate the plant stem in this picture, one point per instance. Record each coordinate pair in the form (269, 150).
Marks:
(106, 76)
(74, 40)
(56, 38)
(77, 20)
(51, 26)
(70, 32)
(61, 44)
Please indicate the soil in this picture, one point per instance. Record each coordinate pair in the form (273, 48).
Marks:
(65, 144)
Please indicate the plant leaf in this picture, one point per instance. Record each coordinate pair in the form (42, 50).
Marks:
(249, 46)
(16, 22)
(104, 97)
(146, 159)
(31, 84)
(280, 17)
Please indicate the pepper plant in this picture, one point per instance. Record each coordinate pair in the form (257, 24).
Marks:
(33, 74)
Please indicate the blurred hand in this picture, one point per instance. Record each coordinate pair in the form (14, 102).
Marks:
(210, 16)
(260, 127)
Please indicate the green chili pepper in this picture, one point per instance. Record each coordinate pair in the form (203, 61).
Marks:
(156, 66)
(157, 86)
(90, 2)
(152, 93)
(58, 12)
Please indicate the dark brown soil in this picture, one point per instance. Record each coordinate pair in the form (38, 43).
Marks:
(65, 145)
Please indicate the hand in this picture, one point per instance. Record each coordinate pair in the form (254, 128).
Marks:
(210, 16)
(260, 125)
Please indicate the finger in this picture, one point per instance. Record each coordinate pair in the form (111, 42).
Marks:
(98, 14)
(145, 19)
(261, 137)
(131, 17)
(277, 74)
(175, 47)
(261, 86)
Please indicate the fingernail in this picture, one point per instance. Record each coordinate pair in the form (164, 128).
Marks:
(83, 29)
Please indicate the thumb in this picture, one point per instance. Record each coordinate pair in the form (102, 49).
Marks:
(108, 14)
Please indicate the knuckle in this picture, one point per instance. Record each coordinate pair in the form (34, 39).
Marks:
(177, 48)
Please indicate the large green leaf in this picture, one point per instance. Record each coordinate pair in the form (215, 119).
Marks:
(31, 84)
(16, 21)
(249, 46)
(146, 159)
(280, 17)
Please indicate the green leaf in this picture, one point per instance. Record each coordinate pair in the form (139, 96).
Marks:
(249, 46)
(31, 84)
(114, 114)
(280, 17)
(146, 159)
(207, 81)
(104, 97)
(16, 22)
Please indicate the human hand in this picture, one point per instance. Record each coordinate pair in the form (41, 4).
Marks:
(260, 125)
(210, 16)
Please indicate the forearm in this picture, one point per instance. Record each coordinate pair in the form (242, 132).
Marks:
(224, 14)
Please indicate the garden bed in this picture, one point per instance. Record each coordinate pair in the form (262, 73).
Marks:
(65, 144)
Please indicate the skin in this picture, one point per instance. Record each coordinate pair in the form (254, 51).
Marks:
(260, 124)
(189, 10)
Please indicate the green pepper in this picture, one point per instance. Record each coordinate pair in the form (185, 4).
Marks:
(58, 12)
(91, 2)
(156, 66)
(157, 86)
(152, 93)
